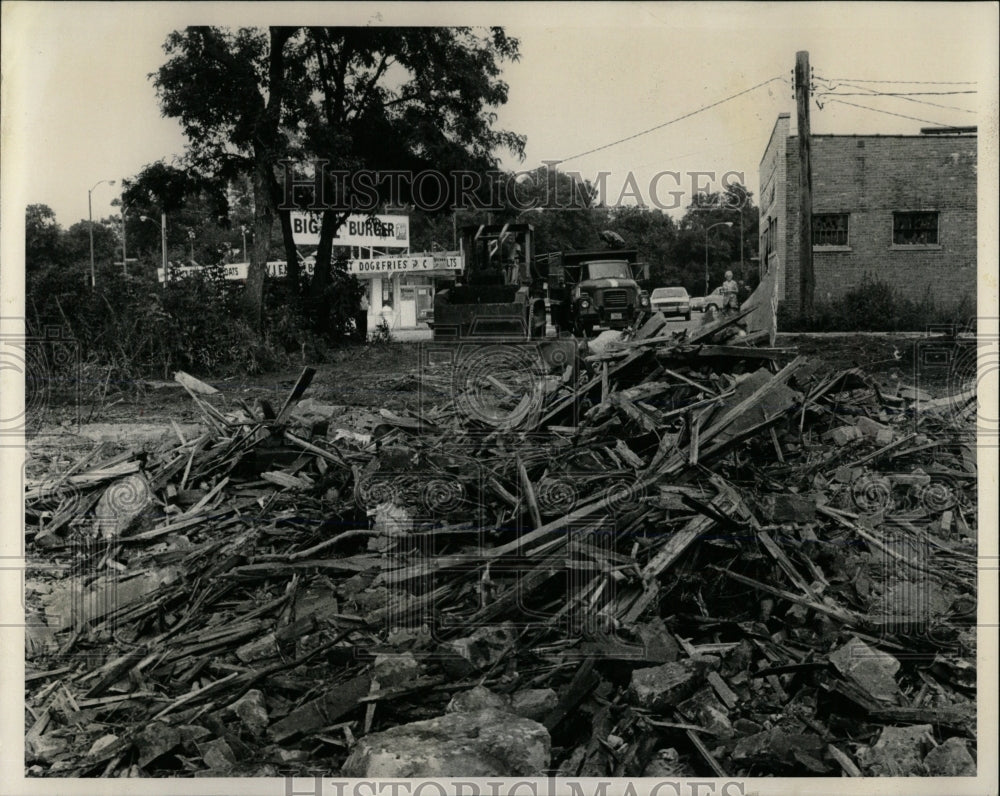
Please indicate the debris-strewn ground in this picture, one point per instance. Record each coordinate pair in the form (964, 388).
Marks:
(675, 554)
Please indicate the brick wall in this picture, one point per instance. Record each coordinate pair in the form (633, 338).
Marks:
(869, 177)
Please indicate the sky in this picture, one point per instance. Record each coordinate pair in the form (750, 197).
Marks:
(79, 107)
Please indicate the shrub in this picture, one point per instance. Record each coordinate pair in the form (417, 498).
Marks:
(875, 306)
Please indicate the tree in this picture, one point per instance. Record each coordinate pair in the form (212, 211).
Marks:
(734, 205)
(42, 237)
(385, 98)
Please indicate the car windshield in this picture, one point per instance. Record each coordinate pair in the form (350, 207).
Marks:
(669, 292)
(609, 269)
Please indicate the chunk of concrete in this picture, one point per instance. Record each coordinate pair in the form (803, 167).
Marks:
(462, 657)
(842, 435)
(898, 752)
(252, 711)
(661, 686)
(392, 671)
(534, 703)
(950, 759)
(476, 699)
(870, 668)
(481, 744)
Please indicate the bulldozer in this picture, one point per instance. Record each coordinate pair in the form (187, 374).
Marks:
(500, 294)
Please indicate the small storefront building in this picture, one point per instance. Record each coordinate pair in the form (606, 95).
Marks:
(400, 288)
(399, 284)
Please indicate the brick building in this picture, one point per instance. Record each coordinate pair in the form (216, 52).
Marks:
(900, 208)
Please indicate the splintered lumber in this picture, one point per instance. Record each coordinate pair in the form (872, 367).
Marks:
(659, 506)
(323, 711)
(301, 385)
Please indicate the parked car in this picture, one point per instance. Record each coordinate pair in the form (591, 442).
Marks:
(713, 299)
(671, 301)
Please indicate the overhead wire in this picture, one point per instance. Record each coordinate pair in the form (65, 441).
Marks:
(900, 82)
(890, 113)
(899, 95)
(671, 121)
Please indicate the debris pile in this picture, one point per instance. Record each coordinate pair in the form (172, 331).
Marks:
(676, 555)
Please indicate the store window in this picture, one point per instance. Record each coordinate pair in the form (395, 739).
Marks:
(830, 229)
(915, 229)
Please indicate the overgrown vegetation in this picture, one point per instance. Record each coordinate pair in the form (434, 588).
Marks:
(875, 306)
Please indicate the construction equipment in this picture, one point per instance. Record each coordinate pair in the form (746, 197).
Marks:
(500, 294)
(593, 289)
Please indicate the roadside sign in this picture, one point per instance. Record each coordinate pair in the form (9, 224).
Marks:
(379, 232)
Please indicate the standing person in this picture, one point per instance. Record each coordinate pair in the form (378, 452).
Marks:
(361, 317)
(730, 294)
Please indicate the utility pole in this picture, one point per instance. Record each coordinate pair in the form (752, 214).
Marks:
(806, 276)
(163, 245)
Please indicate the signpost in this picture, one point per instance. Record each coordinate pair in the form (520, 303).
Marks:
(379, 232)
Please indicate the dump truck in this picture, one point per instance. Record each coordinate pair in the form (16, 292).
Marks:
(594, 289)
(500, 293)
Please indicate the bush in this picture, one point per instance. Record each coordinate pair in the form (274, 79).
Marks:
(133, 327)
(875, 306)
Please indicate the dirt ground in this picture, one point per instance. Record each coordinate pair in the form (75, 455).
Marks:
(385, 376)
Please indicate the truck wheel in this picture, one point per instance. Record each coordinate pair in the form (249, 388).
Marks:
(712, 306)
(688, 316)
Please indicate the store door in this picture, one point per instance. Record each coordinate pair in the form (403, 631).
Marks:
(425, 303)
(407, 306)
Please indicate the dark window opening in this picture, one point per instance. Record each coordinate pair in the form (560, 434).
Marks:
(915, 229)
(830, 229)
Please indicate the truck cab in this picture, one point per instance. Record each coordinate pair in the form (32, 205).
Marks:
(588, 290)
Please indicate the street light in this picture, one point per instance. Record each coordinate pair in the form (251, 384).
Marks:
(719, 224)
(163, 240)
(90, 226)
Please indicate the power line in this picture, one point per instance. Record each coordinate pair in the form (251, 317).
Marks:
(900, 95)
(904, 93)
(890, 113)
(672, 121)
(901, 82)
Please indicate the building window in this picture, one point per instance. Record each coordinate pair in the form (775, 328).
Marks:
(830, 229)
(915, 229)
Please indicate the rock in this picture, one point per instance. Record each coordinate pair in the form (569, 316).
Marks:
(950, 759)
(870, 428)
(842, 435)
(794, 750)
(872, 669)
(122, 503)
(218, 755)
(897, 753)
(252, 711)
(480, 744)
(660, 686)
(156, 739)
(534, 703)
(790, 508)
(45, 748)
(100, 744)
(463, 657)
(396, 670)
(705, 709)
(477, 699)
(658, 644)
